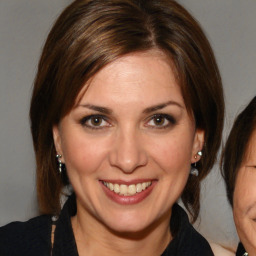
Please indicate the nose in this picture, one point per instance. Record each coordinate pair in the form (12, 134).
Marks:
(128, 152)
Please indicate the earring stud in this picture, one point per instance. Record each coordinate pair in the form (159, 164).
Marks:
(200, 153)
(194, 171)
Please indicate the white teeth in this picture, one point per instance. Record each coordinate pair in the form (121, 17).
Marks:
(132, 189)
(116, 188)
(139, 188)
(111, 186)
(125, 190)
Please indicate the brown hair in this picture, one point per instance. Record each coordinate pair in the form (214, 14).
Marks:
(87, 36)
(236, 146)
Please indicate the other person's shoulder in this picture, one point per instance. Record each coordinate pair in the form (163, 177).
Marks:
(219, 250)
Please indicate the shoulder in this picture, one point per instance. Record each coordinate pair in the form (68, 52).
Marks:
(196, 242)
(221, 251)
(187, 240)
(26, 238)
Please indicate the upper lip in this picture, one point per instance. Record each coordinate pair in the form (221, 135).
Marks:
(134, 181)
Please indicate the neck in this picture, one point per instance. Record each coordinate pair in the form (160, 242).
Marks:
(93, 238)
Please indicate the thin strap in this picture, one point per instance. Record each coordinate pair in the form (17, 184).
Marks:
(52, 234)
(54, 221)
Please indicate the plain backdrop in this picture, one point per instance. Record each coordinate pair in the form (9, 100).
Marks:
(24, 25)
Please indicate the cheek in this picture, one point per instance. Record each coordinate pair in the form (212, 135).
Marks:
(240, 201)
(244, 198)
(173, 154)
(83, 155)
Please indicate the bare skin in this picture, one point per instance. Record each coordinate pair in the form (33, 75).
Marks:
(244, 205)
(130, 129)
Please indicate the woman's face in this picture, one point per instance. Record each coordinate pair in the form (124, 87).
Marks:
(128, 144)
(244, 203)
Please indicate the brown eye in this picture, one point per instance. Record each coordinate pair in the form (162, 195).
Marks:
(96, 121)
(159, 120)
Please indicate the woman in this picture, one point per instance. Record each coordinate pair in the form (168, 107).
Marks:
(127, 107)
(238, 167)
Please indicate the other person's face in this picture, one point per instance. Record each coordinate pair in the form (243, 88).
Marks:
(128, 144)
(244, 205)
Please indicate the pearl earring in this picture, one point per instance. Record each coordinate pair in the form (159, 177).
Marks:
(60, 163)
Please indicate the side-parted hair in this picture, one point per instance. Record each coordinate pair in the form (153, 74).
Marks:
(235, 150)
(90, 34)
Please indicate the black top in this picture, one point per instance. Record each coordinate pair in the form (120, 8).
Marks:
(34, 236)
(240, 250)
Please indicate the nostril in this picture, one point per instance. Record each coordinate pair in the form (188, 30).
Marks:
(128, 161)
(127, 152)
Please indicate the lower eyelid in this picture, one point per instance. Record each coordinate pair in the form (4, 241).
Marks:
(86, 119)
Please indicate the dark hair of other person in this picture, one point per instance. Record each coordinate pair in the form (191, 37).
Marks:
(236, 146)
(91, 34)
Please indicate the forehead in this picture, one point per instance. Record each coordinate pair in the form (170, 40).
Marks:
(251, 149)
(151, 70)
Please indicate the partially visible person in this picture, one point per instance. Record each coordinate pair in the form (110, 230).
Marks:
(239, 171)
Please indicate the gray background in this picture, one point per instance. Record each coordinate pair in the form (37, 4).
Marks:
(24, 24)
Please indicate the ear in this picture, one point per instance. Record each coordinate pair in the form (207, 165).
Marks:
(197, 145)
(57, 141)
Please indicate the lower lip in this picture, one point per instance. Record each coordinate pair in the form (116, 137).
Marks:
(128, 200)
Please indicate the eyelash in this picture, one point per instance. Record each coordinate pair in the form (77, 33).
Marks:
(167, 118)
(84, 122)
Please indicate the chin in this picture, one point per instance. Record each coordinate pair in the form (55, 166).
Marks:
(128, 225)
(133, 223)
(130, 231)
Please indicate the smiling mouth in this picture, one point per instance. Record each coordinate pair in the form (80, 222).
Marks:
(127, 190)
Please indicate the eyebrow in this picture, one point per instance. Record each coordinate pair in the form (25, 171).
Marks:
(100, 109)
(148, 110)
(161, 106)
